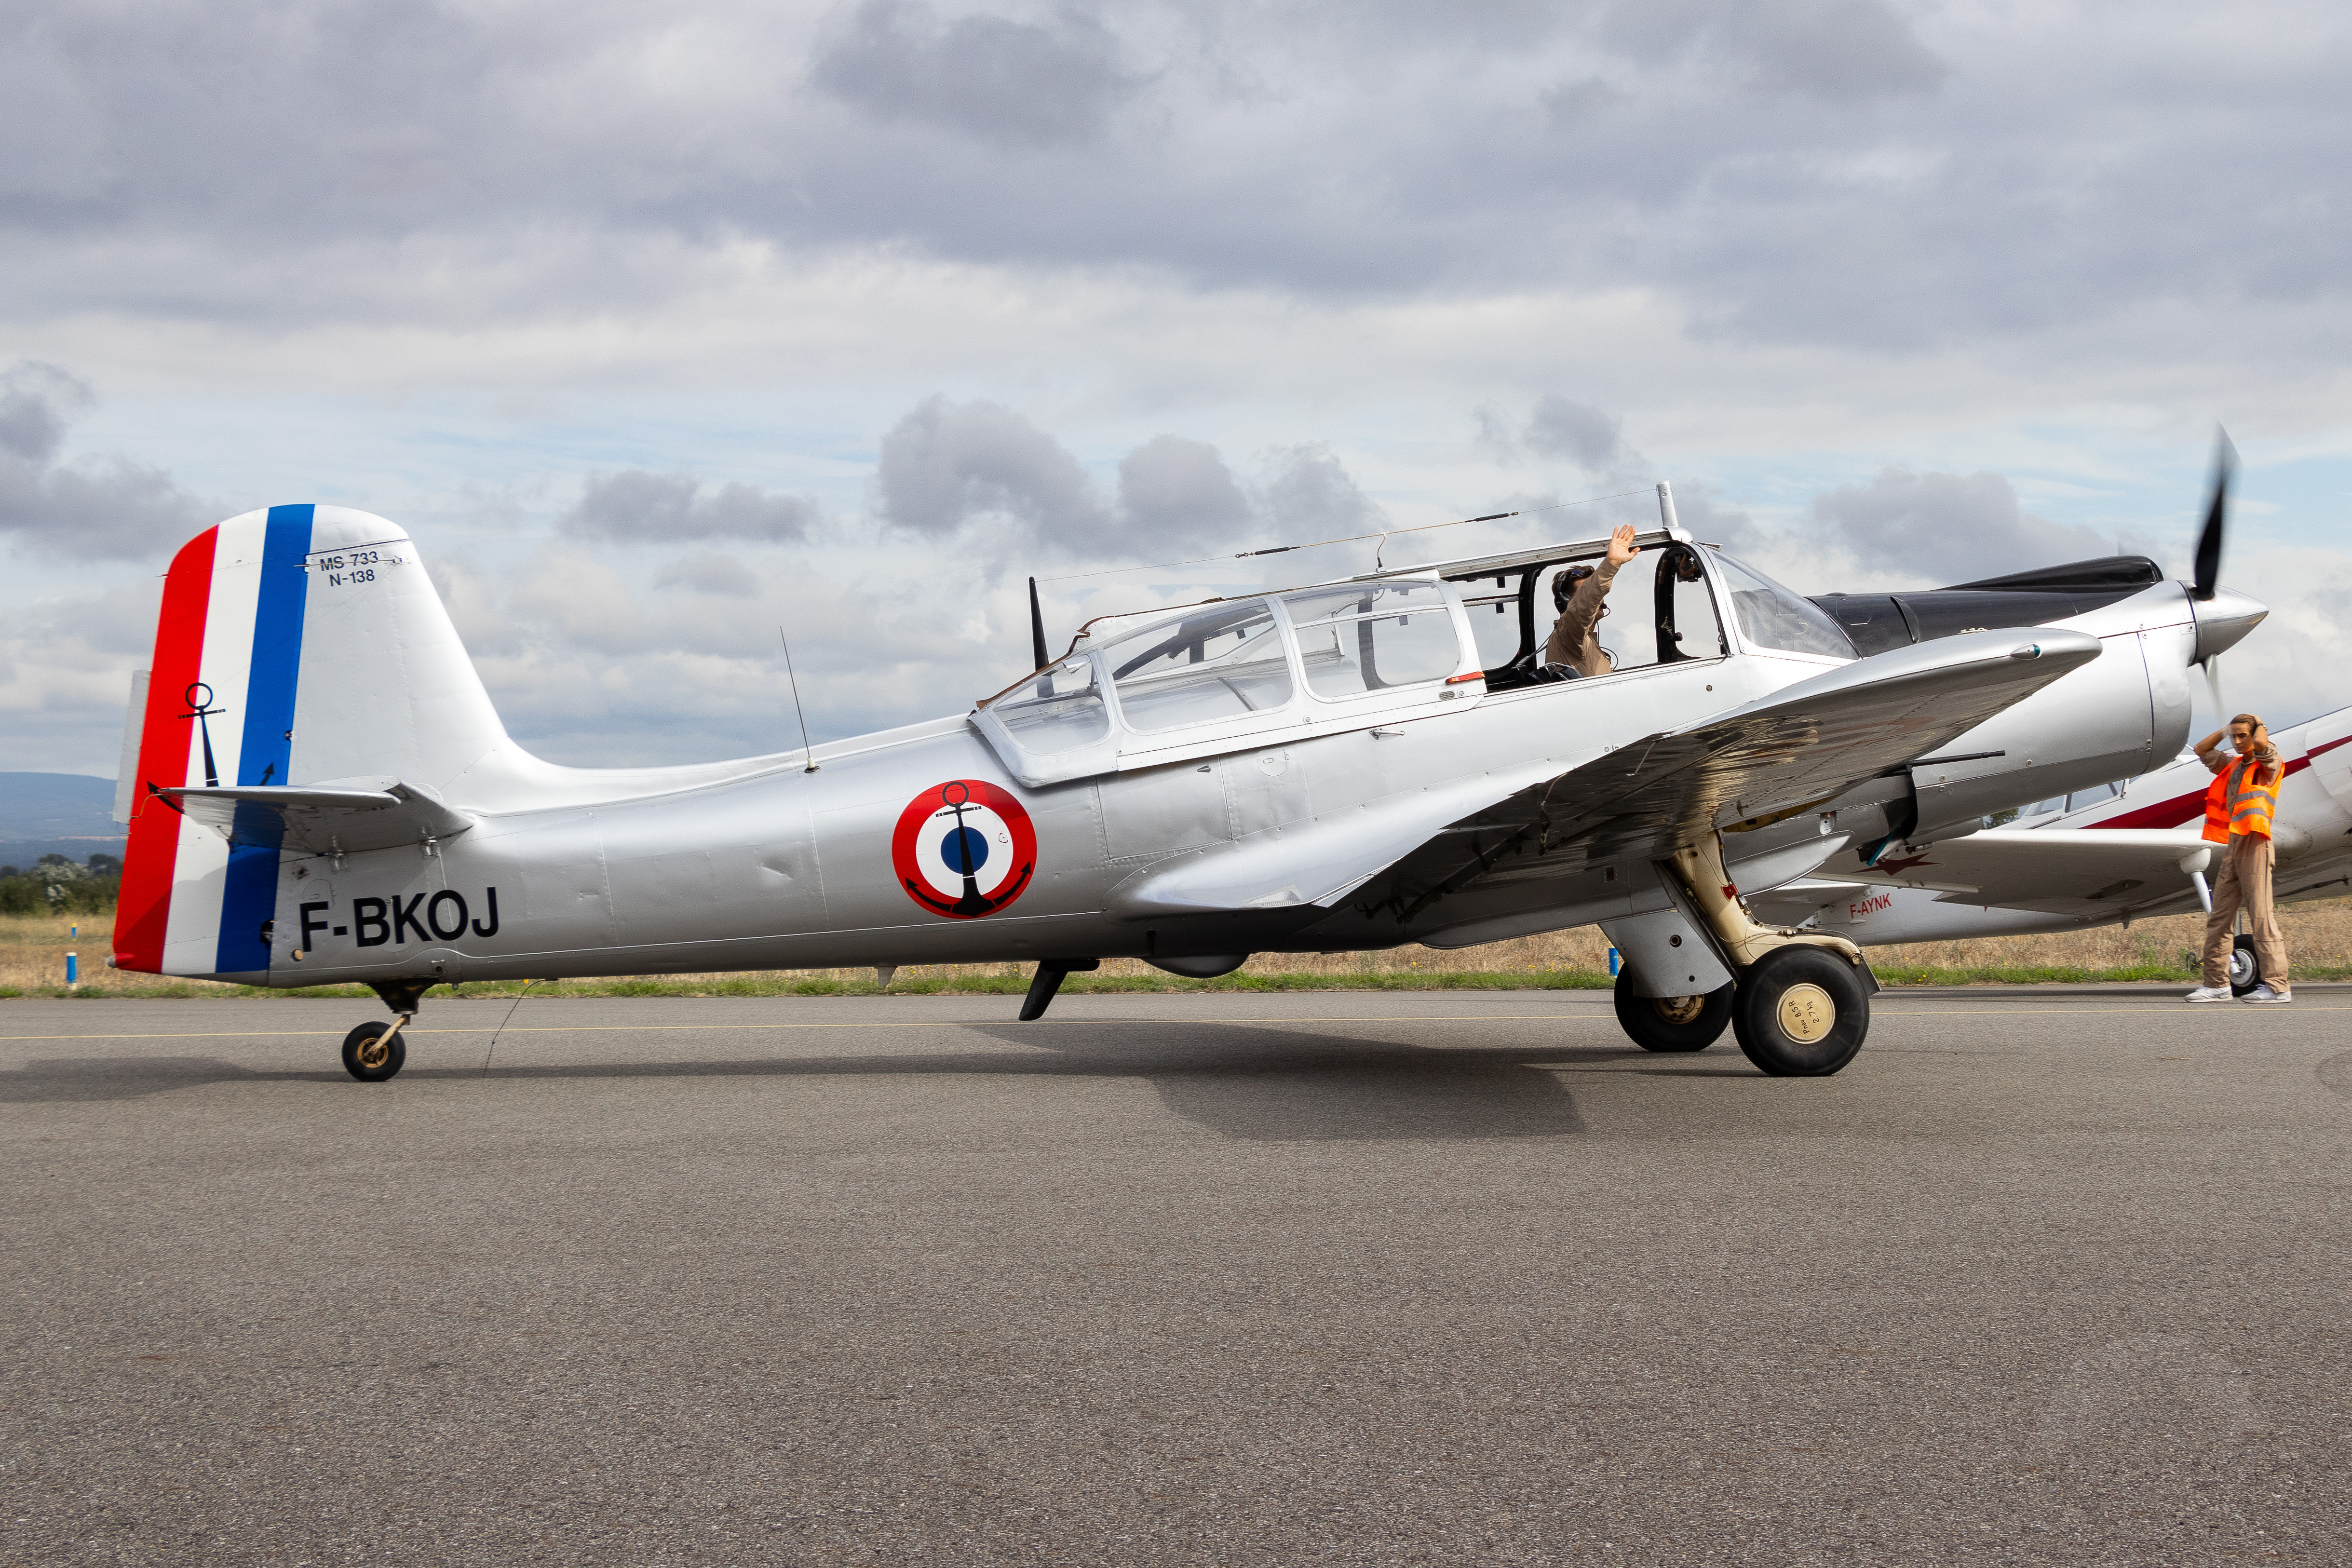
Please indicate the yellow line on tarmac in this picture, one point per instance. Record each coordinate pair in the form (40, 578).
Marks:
(1594, 1017)
(725, 1028)
(2013, 1012)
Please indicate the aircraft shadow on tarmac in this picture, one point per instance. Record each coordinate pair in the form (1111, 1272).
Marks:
(1250, 1083)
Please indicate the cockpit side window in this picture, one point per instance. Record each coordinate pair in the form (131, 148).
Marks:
(1374, 636)
(1219, 663)
(1773, 616)
(1493, 604)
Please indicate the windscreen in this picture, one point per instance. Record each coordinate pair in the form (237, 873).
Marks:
(1061, 708)
(1374, 636)
(1773, 616)
(1219, 663)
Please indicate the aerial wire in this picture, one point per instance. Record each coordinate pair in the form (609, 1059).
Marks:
(1350, 539)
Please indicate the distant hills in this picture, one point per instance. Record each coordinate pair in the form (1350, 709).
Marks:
(55, 813)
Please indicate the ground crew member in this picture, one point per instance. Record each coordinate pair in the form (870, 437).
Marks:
(2238, 807)
(1578, 593)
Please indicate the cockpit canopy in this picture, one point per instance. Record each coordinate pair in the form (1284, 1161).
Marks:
(1230, 675)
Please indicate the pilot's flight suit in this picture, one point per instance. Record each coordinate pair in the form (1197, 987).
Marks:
(1572, 642)
(2246, 865)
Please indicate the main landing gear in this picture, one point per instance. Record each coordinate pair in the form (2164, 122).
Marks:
(374, 1051)
(1672, 1022)
(1799, 1001)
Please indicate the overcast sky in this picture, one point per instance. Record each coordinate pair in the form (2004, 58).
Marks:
(661, 327)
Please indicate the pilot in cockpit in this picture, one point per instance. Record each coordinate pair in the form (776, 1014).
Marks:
(1580, 593)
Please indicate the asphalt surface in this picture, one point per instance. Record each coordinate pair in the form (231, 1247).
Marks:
(1359, 1279)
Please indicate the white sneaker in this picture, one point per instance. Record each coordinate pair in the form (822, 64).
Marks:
(2264, 994)
(2208, 993)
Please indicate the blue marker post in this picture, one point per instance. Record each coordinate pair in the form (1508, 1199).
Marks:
(1612, 964)
(73, 964)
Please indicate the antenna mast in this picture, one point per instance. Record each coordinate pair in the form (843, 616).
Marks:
(808, 752)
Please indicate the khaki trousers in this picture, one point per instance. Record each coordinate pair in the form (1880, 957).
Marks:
(2244, 881)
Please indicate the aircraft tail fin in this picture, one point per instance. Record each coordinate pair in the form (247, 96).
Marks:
(302, 643)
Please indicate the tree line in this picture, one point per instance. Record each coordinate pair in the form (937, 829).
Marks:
(55, 885)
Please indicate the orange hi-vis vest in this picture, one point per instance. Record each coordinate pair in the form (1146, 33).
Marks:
(2217, 809)
(2253, 803)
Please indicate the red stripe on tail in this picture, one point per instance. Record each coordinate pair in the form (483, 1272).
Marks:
(148, 863)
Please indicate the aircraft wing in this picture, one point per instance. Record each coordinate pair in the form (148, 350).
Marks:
(1802, 746)
(345, 816)
(2074, 871)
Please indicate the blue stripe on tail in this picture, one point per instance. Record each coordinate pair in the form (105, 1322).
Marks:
(251, 898)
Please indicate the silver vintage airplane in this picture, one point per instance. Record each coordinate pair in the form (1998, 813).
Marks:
(319, 790)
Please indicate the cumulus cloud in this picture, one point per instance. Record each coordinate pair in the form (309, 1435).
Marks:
(1310, 494)
(1562, 427)
(1739, 158)
(1175, 486)
(709, 574)
(946, 462)
(1016, 83)
(637, 506)
(1831, 49)
(1953, 528)
(92, 507)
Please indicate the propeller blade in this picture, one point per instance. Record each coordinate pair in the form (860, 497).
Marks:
(2208, 574)
(2214, 683)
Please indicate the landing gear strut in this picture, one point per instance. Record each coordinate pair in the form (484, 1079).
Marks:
(1801, 1006)
(1048, 983)
(374, 1052)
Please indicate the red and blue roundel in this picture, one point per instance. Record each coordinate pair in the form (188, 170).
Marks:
(964, 849)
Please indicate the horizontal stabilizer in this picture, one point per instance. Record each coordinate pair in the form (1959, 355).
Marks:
(344, 816)
(2054, 870)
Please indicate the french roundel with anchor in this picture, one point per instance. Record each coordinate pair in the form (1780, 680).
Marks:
(964, 849)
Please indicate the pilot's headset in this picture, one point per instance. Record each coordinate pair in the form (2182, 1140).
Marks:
(1564, 585)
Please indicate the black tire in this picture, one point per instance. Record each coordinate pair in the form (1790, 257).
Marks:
(2245, 966)
(367, 1062)
(1788, 995)
(1673, 1023)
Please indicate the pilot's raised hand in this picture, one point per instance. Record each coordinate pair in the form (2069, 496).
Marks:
(1621, 546)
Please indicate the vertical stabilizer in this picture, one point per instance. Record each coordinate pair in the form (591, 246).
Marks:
(296, 645)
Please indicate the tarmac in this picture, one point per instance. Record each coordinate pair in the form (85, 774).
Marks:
(2045, 1275)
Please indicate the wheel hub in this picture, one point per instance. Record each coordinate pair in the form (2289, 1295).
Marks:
(1679, 1009)
(2241, 966)
(1806, 1014)
(372, 1054)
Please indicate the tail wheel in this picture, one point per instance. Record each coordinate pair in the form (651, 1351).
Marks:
(369, 1056)
(1801, 1012)
(2245, 966)
(1672, 1022)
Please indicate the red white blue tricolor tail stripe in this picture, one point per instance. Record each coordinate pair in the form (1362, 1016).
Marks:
(220, 709)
